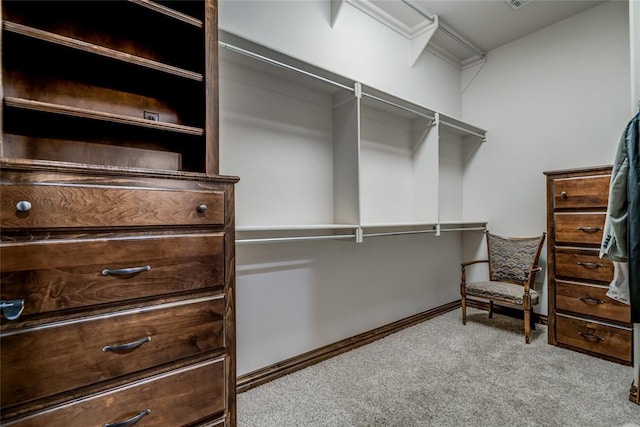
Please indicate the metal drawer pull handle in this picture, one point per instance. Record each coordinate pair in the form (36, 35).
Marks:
(563, 194)
(125, 271)
(23, 206)
(590, 229)
(590, 337)
(590, 264)
(202, 208)
(127, 346)
(12, 309)
(131, 421)
(592, 301)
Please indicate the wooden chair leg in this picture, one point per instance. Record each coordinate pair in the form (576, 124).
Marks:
(490, 309)
(464, 309)
(527, 326)
(533, 321)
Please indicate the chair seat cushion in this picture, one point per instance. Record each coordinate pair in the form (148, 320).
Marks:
(502, 291)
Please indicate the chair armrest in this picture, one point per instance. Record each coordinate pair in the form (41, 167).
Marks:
(464, 264)
(463, 275)
(529, 275)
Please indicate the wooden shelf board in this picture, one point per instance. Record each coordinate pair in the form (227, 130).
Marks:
(99, 115)
(169, 12)
(99, 50)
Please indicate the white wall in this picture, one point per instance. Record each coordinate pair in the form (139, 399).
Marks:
(357, 47)
(556, 99)
(296, 297)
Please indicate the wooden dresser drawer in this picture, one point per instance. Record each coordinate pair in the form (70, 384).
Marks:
(582, 264)
(579, 228)
(82, 206)
(593, 336)
(590, 300)
(40, 361)
(56, 275)
(581, 192)
(176, 398)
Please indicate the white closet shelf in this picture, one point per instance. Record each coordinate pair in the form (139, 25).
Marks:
(292, 233)
(463, 225)
(303, 227)
(461, 128)
(398, 225)
(339, 150)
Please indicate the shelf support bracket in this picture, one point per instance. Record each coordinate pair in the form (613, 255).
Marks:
(336, 8)
(421, 40)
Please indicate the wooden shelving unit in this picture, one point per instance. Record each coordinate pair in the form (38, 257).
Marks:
(149, 71)
(117, 230)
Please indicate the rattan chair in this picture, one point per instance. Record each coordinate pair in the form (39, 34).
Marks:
(513, 264)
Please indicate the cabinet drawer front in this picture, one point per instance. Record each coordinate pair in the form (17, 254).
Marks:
(590, 300)
(66, 206)
(62, 274)
(604, 339)
(42, 361)
(579, 228)
(176, 398)
(583, 265)
(583, 192)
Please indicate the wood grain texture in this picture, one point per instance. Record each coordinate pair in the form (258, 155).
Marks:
(176, 398)
(581, 317)
(112, 189)
(212, 90)
(596, 337)
(102, 206)
(64, 274)
(61, 357)
(583, 264)
(109, 75)
(590, 300)
(589, 192)
(583, 229)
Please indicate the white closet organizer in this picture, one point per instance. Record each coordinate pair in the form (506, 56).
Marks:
(324, 157)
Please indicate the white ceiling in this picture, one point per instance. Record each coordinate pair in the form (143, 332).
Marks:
(484, 24)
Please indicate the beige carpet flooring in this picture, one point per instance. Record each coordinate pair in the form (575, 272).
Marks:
(441, 373)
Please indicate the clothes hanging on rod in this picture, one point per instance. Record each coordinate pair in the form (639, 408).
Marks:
(621, 239)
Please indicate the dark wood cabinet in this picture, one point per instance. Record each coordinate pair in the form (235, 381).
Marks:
(117, 231)
(581, 316)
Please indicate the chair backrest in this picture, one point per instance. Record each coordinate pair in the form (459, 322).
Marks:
(510, 257)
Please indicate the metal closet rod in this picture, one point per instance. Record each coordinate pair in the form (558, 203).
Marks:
(426, 116)
(297, 238)
(448, 32)
(398, 233)
(280, 64)
(352, 236)
(464, 229)
(479, 135)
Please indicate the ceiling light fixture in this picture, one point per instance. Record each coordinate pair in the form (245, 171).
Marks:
(517, 4)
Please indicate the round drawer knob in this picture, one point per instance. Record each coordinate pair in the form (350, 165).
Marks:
(202, 208)
(563, 194)
(23, 206)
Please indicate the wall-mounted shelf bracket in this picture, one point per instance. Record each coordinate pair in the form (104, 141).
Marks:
(420, 42)
(336, 8)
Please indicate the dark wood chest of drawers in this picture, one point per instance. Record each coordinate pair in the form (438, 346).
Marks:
(581, 316)
(127, 283)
